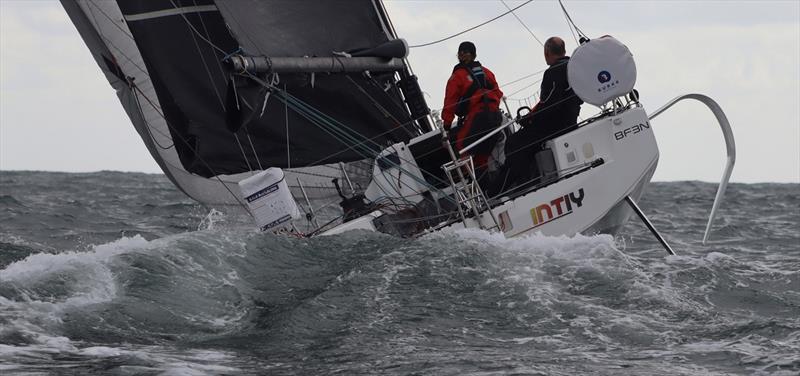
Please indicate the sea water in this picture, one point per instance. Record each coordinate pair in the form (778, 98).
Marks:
(121, 274)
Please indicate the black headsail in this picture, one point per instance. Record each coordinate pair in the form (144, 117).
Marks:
(185, 45)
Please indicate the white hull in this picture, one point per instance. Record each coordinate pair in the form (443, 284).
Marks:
(596, 195)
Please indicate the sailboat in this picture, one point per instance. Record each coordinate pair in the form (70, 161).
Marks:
(270, 105)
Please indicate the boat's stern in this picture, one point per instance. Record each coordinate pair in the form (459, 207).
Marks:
(597, 166)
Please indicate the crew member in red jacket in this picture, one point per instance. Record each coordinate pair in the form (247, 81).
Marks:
(473, 95)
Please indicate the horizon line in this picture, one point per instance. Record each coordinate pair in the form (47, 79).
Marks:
(162, 173)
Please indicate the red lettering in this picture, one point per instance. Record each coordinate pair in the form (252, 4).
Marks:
(542, 208)
(557, 204)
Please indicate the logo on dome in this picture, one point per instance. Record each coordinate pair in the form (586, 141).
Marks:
(603, 77)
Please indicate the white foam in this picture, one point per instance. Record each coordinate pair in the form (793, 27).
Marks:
(523, 340)
(195, 363)
(567, 247)
(39, 265)
(719, 258)
(100, 352)
(554, 268)
(160, 359)
(213, 217)
(18, 240)
(86, 275)
(187, 369)
(36, 315)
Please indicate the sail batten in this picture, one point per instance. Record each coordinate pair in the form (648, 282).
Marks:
(171, 12)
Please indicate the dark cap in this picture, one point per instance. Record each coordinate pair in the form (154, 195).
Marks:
(467, 47)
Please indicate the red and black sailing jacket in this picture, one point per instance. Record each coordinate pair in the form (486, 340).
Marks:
(471, 89)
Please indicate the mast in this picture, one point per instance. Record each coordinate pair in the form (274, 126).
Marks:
(414, 98)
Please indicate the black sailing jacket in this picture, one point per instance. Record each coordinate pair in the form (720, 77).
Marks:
(558, 105)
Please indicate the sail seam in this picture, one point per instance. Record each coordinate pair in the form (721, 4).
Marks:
(208, 35)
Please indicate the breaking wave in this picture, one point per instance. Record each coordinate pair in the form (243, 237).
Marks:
(217, 297)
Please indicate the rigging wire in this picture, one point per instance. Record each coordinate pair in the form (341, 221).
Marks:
(372, 153)
(208, 35)
(207, 39)
(569, 26)
(192, 148)
(522, 89)
(524, 77)
(246, 160)
(317, 162)
(522, 23)
(253, 148)
(213, 83)
(299, 171)
(330, 125)
(246, 129)
(337, 130)
(343, 134)
(135, 94)
(223, 74)
(472, 28)
(135, 89)
(515, 81)
(564, 9)
(147, 123)
(224, 4)
(221, 50)
(286, 120)
(205, 66)
(109, 42)
(186, 19)
(376, 104)
(113, 22)
(518, 100)
(359, 144)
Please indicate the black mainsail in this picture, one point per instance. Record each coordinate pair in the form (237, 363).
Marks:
(168, 60)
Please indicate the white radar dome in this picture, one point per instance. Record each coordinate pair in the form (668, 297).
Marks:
(600, 70)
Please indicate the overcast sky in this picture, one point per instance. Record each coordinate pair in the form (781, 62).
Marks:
(58, 113)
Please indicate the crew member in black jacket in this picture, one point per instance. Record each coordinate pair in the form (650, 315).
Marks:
(558, 109)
